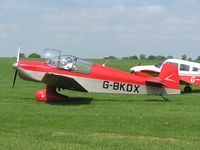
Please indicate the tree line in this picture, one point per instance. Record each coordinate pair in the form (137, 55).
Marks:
(152, 57)
(134, 57)
(32, 55)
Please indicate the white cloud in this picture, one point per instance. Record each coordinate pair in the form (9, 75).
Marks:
(146, 26)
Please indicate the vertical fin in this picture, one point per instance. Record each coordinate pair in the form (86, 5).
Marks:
(169, 76)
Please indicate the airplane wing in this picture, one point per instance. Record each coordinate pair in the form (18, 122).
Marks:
(184, 81)
(60, 81)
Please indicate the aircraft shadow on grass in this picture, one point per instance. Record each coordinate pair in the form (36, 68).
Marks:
(134, 100)
(76, 101)
(158, 100)
(73, 101)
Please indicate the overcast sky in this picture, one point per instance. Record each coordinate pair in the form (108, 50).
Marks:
(98, 28)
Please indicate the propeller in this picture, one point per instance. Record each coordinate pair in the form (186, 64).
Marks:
(15, 66)
(14, 79)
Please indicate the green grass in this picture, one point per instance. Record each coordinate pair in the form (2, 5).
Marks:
(95, 121)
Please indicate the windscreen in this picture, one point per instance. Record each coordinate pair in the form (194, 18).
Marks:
(54, 59)
(51, 57)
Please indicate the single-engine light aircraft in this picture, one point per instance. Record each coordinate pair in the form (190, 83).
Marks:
(72, 73)
(189, 72)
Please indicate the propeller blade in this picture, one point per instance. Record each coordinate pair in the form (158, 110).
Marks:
(15, 66)
(18, 54)
(14, 79)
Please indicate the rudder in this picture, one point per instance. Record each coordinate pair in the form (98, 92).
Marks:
(170, 78)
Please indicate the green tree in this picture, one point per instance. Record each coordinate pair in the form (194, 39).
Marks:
(133, 57)
(125, 57)
(142, 56)
(34, 55)
(169, 57)
(184, 57)
(110, 57)
(160, 57)
(151, 57)
(198, 58)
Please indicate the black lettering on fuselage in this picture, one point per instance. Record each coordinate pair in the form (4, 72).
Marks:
(124, 87)
(105, 84)
(115, 86)
(136, 88)
(129, 88)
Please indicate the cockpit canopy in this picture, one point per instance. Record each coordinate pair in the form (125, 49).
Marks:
(54, 59)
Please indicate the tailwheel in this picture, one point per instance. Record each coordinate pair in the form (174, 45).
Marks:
(49, 94)
(187, 89)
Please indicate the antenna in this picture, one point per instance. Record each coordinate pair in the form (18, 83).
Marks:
(106, 61)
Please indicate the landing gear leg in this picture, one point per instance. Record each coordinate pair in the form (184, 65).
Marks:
(187, 89)
(49, 94)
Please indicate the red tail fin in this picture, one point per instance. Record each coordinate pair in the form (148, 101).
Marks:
(168, 80)
(169, 76)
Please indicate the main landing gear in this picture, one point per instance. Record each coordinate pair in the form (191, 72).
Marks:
(49, 94)
(187, 89)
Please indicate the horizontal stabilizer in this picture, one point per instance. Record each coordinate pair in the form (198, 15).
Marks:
(156, 82)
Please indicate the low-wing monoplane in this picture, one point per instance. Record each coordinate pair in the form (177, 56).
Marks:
(69, 72)
(189, 72)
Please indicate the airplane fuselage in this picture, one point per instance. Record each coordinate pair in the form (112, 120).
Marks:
(99, 79)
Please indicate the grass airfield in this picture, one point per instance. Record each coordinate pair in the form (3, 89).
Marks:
(95, 121)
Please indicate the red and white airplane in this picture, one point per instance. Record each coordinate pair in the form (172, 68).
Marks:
(72, 73)
(189, 72)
